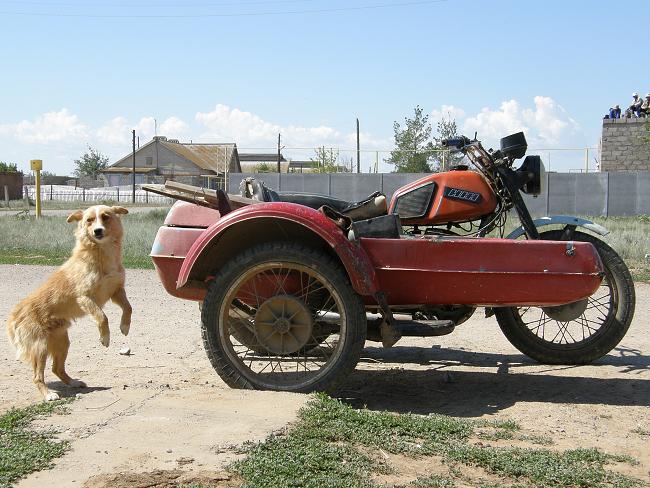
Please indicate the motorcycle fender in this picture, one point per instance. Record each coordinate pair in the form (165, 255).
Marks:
(296, 222)
(561, 220)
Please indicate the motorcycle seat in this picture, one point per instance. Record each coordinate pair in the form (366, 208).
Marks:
(373, 206)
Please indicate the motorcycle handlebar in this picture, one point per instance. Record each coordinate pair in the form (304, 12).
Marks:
(455, 142)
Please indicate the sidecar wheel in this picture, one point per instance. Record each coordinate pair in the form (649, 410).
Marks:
(263, 316)
(577, 333)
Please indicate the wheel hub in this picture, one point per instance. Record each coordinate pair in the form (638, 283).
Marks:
(283, 324)
(568, 312)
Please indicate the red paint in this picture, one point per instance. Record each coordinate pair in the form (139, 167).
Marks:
(453, 270)
(187, 214)
(355, 261)
(444, 210)
(411, 271)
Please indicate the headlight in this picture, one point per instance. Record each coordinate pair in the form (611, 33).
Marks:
(531, 171)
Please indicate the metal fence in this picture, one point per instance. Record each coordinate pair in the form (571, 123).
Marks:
(596, 194)
(96, 195)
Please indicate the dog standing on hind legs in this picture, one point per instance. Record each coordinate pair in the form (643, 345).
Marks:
(38, 325)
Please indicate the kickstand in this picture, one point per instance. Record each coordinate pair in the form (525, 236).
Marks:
(389, 334)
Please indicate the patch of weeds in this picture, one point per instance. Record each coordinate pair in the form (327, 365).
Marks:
(498, 435)
(299, 460)
(24, 450)
(333, 421)
(332, 445)
(432, 481)
(541, 440)
(572, 468)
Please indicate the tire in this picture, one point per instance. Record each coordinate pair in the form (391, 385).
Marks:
(605, 319)
(270, 349)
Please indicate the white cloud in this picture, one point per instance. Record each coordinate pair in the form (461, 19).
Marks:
(47, 128)
(446, 112)
(174, 127)
(227, 124)
(114, 132)
(546, 124)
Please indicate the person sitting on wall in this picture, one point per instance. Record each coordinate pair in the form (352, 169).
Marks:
(645, 106)
(614, 112)
(635, 108)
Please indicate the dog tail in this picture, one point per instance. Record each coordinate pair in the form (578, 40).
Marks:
(19, 338)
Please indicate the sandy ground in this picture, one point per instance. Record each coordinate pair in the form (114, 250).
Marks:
(163, 407)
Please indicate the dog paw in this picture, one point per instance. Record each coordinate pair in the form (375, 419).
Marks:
(105, 339)
(51, 396)
(125, 327)
(77, 384)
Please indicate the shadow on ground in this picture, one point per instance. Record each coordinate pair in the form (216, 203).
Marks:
(447, 387)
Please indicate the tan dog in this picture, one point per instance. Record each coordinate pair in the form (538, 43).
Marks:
(38, 326)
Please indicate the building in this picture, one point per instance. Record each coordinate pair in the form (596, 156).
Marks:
(625, 145)
(164, 159)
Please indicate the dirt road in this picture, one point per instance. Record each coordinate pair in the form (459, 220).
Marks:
(163, 407)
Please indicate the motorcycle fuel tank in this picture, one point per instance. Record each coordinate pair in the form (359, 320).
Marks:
(438, 198)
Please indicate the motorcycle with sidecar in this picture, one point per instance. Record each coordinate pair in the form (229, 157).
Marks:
(291, 285)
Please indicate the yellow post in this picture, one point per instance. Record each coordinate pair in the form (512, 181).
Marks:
(37, 165)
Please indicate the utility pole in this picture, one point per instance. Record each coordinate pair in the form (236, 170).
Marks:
(358, 149)
(279, 155)
(133, 166)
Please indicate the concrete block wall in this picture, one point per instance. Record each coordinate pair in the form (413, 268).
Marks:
(623, 147)
(618, 193)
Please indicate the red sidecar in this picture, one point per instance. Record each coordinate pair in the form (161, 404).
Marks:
(290, 293)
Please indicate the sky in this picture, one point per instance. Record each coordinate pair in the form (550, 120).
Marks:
(75, 73)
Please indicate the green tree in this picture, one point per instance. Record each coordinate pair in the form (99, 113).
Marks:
(8, 167)
(442, 158)
(413, 146)
(91, 163)
(263, 168)
(326, 160)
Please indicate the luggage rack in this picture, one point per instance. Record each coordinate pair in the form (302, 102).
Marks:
(205, 197)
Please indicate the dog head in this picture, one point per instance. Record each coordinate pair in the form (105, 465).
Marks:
(99, 223)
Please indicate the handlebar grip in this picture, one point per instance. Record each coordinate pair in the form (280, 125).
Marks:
(455, 142)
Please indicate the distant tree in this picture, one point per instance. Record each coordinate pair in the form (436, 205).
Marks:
(326, 160)
(47, 174)
(263, 168)
(91, 163)
(413, 147)
(446, 128)
(8, 167)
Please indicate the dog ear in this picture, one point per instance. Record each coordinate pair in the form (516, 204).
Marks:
(119, 210)
(78, 215)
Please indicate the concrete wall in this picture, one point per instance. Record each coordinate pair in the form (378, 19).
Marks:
(596, 194)
(623, 147)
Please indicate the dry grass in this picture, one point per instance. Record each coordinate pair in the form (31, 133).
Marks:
(49, 240)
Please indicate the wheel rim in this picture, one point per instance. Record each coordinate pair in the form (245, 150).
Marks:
(270, 325)
(586, 327)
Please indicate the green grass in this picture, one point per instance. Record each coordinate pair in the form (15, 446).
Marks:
(24, 450)
(334, 445)
(50, 240)
(18, 205)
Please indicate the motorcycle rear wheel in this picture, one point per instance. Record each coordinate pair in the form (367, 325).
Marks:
(542, 334)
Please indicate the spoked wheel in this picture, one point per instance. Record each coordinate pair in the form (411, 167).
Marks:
(582, 331)
(281, 316)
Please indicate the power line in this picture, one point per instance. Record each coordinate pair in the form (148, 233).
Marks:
(236, 14)
(154, 5)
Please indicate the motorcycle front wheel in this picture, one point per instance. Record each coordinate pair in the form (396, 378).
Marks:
(580, 332)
